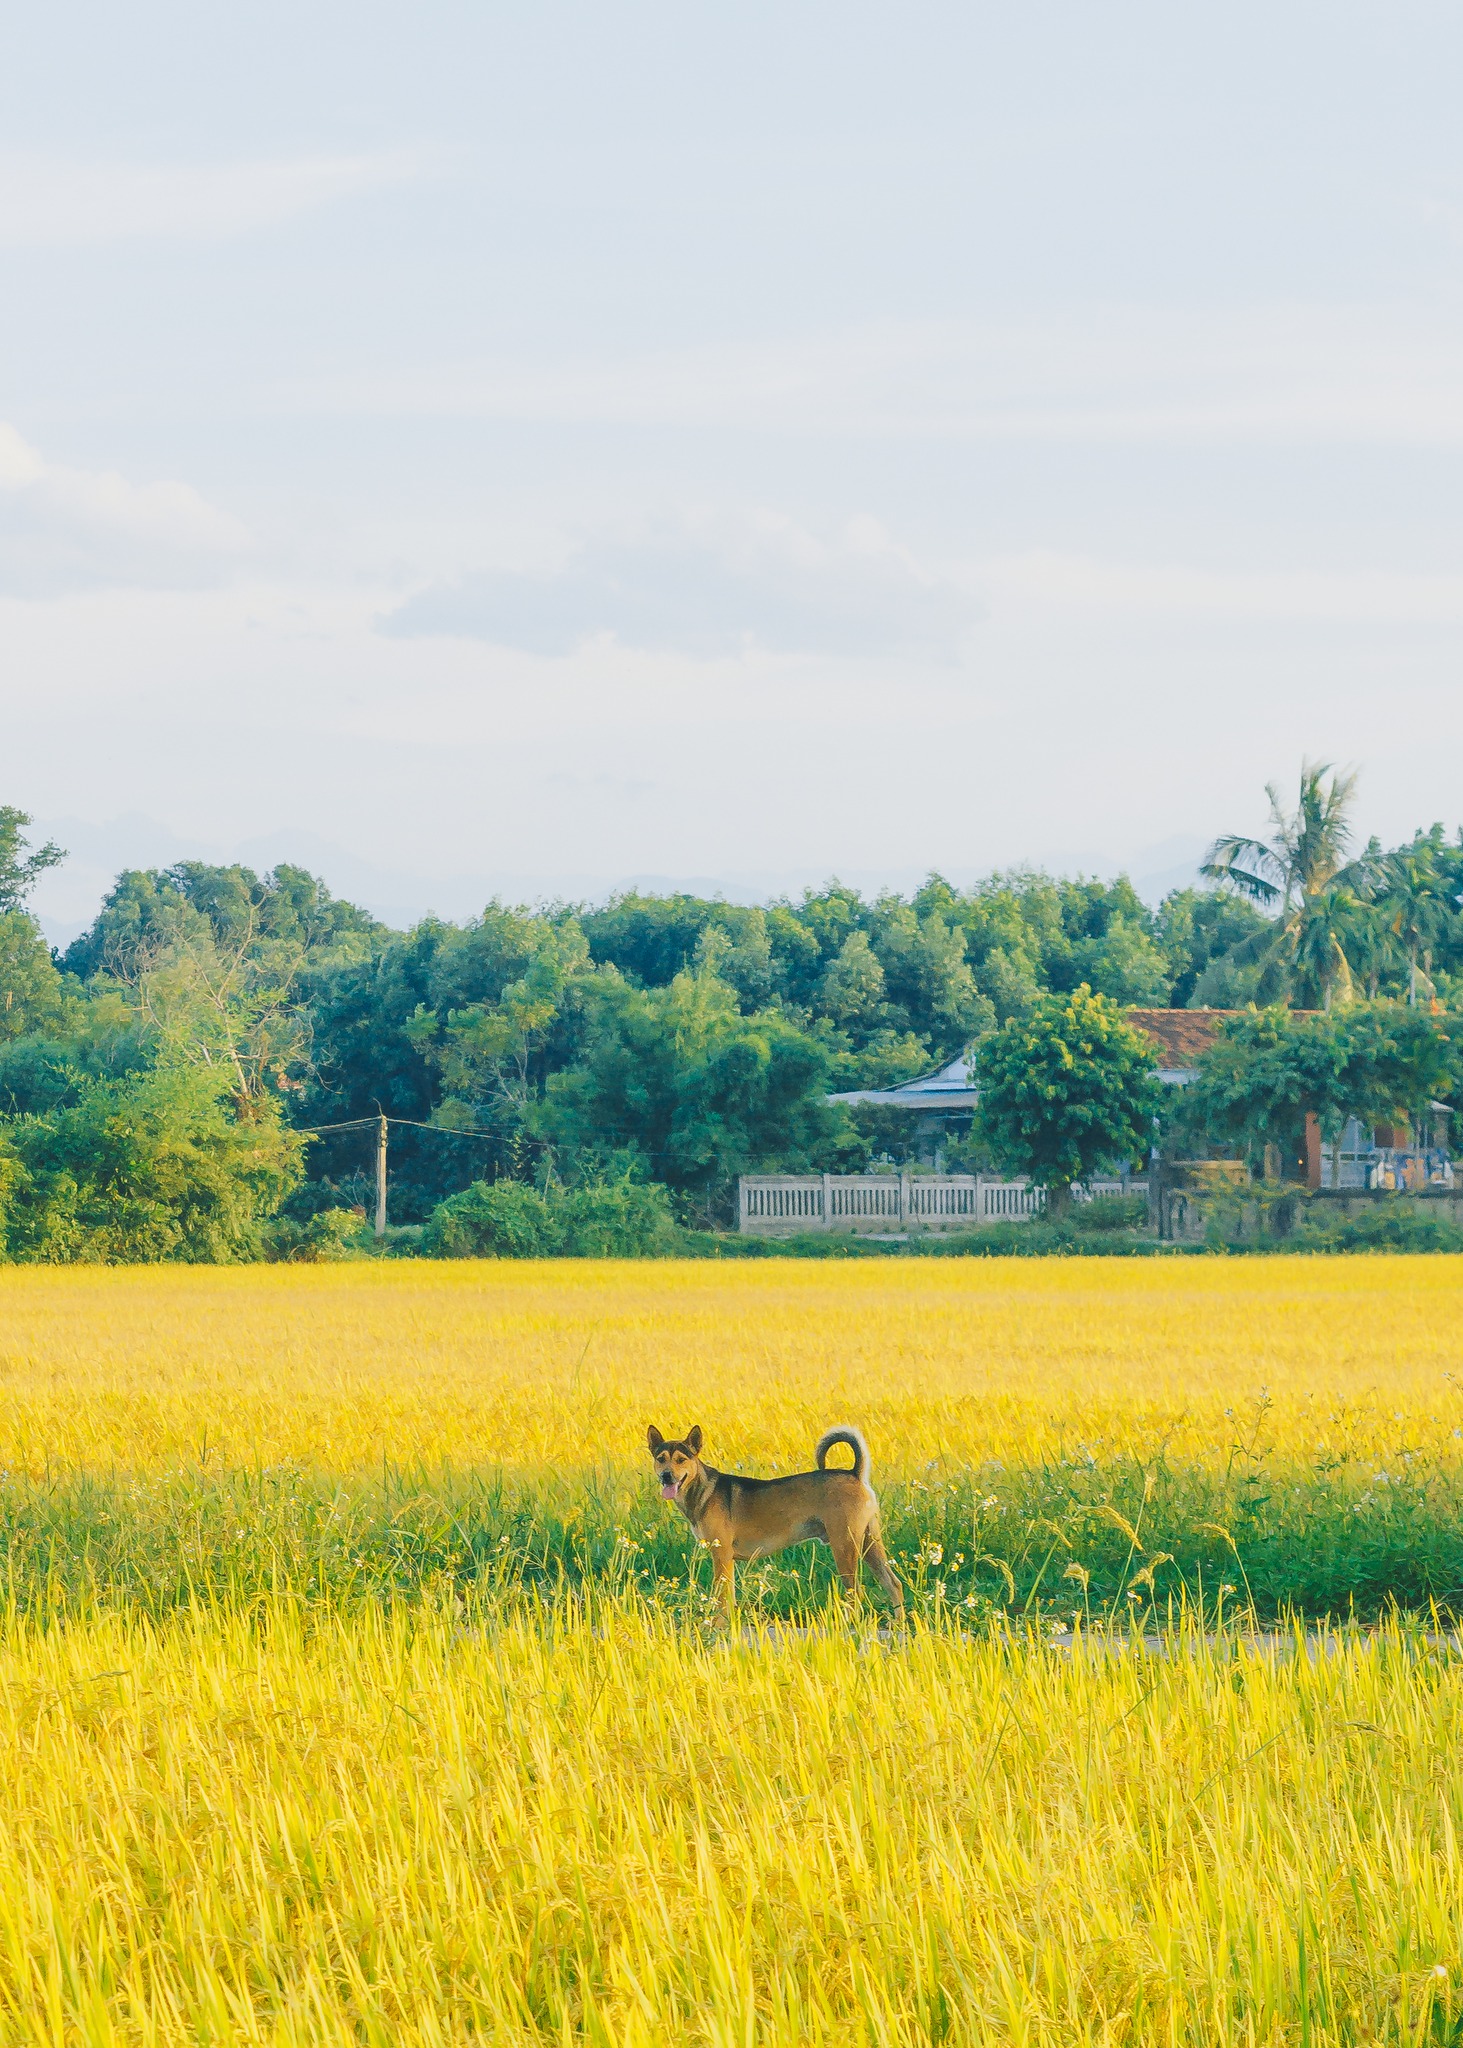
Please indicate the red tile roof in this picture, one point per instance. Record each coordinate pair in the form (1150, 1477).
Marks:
(1180, 1036)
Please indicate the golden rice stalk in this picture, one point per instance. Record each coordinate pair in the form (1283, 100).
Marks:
(1145, 1577)
(1105, 1513)
(999, 1564)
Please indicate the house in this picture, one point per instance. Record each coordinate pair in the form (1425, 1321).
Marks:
(1383, 1159)
(942, 1103)
(1180, 1038)
(1361, 1158)
(948, 1091)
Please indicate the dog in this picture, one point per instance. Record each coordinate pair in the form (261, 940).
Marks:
(747, 1518)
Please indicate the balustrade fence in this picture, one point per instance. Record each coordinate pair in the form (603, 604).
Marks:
(891, 1205)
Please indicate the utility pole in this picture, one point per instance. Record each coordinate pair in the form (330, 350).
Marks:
(381, 1178)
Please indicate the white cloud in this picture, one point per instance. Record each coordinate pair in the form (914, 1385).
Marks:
(68, 529)
(1278, 374)
(708, 590)
(1150, 591)
(46, 201)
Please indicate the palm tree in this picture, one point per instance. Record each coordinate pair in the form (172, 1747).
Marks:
(1302, 873)
(1413, 902)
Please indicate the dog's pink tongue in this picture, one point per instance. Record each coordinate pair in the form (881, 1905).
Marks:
(668, 1488)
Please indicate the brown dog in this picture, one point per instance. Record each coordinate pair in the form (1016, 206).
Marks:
(745, 1518)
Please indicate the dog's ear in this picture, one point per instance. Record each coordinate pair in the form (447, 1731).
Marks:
(654, 1438)
(693, 1441)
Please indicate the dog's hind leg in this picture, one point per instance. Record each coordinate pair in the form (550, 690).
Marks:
(845, 1547)
(877, 1561)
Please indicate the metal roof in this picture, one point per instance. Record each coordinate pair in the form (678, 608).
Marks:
(949, 1088)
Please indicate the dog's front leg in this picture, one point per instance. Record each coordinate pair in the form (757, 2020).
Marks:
(723, 1574)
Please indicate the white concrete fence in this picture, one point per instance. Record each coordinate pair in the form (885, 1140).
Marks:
(892, 1205)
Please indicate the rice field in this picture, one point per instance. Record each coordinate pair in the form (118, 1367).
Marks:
(355, 1687)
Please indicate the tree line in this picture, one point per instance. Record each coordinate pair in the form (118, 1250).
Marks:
(168, 1083)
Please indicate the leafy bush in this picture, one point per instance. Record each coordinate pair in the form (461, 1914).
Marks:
(1112, 1212)
(616, 1220)
(1385, 1228)
(506, 1219)
(155, 1166)
(328, 1235)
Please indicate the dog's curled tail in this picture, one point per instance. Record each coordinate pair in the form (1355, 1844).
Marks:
(855, 1443)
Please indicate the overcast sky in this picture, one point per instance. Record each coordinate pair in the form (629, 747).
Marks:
(496, 446)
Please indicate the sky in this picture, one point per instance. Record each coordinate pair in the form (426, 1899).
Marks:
(512, 449)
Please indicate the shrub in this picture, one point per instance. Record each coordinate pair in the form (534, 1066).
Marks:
(506, 1219)
(501, 1219)
(161, 1165)
(328, 1235)
(1383, 1229)
(1112, 1212)
(616, 1220)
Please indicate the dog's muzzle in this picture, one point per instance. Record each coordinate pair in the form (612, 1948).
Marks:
(670, 1486)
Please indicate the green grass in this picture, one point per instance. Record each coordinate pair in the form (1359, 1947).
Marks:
(1339, 1541)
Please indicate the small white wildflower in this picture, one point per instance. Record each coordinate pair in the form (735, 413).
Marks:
(1440, 1969)
(935, 1554)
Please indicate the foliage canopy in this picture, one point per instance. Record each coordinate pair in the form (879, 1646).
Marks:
(1067, 1091)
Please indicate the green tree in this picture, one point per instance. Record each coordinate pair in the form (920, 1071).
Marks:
(1268, 1069)
(678, 1080)
(1411, 903)
(1302, 875)
(651, 938)
(1263, 1073)
(1197, 929)
(853, 990)
(19, 870)
(489, 1052)
(34, 995)
(1125, 963)
(156, 1166)
(230, 1005)
(149, 910)
(1066, 1091)
(1398, 1060)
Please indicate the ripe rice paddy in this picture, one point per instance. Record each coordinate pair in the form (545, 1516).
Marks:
(355, 1686)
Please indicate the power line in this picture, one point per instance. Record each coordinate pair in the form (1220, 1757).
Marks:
(378, 1124)
(359, 1123)
(442, 1130)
